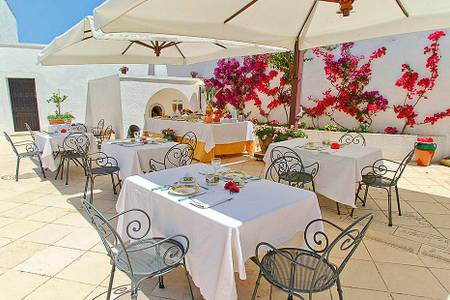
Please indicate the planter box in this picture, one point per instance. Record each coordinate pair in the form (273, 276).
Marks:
(394, 146)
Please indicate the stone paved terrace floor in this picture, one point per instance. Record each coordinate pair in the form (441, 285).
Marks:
(48, 250)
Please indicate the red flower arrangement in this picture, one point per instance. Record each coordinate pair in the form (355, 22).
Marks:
(390, 130)
(425, 140)
(63, 130)
(417, 87)
(232, 187)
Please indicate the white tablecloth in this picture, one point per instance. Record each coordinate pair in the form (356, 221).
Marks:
(210, 134)
(133, 160)
(48, 143)
(339, 169)
(224, 237)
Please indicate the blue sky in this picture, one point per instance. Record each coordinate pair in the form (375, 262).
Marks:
(39, 21)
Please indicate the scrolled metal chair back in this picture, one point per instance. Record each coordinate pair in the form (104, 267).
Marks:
(78, 128)
(8, 138)
(100, 125)
(111, 240)
(285, 161)
(352, 139)
(30, 131)
(179, 155)
(189, 138)
(346, 242)
(77, 142)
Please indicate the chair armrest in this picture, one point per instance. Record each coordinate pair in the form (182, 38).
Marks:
(30, 146)
(136, 225)
(153, 165)
(23, 143)
(315, 169)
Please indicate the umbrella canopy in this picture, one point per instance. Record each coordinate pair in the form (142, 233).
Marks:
(276, 23)
(82, 44)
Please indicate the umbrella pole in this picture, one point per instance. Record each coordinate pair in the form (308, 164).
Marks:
(296, 85)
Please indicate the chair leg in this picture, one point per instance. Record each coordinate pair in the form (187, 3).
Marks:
(113, 184)
(17, 168)
(161, 282)
(91, 198)
(86, 185)
(134, 292)
(187, 277)
(337, 206)
(59, 168)
(257, 285)
(339, 289)
(62, 169)
(313, 186)
(290, 297)
(389, 207)
(365, 195)
(42, 168)
(67, 171)
(111, 279)
(398, 201)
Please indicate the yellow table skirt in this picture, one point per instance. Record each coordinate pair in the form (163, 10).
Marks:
(221, 149)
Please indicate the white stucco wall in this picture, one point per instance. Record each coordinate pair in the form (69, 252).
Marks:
(20, 61)
(8, 25)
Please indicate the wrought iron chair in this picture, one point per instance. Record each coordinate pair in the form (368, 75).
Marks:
(177, 156)
(287, 166)
(100, 164)
(73, 148)
(383, 174)
(352, 139)
(78, 127)
(142, 258)
(311, 270)
(131, 130)
(28, 127)
(31, 150)
(189, 138)
(97, 131)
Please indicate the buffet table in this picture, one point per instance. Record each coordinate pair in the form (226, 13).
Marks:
(213, 139)
(339, 169)
(224, 236)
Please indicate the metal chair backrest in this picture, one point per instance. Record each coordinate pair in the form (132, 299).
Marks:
(401, 168)
(346, 242)
(30, 131)
(352, 139)
(189, 138)
(131, 130)
(78, 127)
(77, 142)
(100, 125)
(8, 138)
(111, 240)
(285, 161)
(178, 155)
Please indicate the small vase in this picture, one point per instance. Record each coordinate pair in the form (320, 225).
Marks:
(424, 157)
(264, 143)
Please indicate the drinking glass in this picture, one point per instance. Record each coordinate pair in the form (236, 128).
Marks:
(174, 107)
(180, 107)
(215, 162)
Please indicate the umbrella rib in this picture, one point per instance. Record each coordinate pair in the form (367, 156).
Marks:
(402, 7)
(179, 50)
(220, 45)
(128, 47)
(240, 11)
(308, 17)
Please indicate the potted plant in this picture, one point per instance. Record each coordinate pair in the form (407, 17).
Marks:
(168, 134)
(425, 148)
(268, 134)
(58, 117)
(123, 70)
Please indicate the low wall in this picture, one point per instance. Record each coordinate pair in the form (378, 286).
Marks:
(394, 146)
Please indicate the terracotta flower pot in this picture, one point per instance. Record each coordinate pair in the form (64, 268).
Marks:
(264, 143)
(56, 121)
(424, 157)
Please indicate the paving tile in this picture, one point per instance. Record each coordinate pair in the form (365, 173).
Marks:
(434, 257)
(411, 280)
(49, 214)
(73, 219)
(429, 207)
(4, 241)
(5, 221)
(18, 251)
(16, 285)
(22, 211)
(438, 220)
(425, 238)
(380, 252)
(19, 228)
(443, 276)
(48, 234)
(49, 261)
(396, 296)
(80, 238)
(369, 279)
(358, 294)
(61, 289)
(90, 268)
(5, 206)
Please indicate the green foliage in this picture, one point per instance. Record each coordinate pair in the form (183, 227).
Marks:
(57, 99)
(330, 127)
(60, 116)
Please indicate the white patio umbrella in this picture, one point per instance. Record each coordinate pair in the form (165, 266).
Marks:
(271, 22)
(293, 24)
(84, 45)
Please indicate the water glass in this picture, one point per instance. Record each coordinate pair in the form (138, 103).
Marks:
(215, 162)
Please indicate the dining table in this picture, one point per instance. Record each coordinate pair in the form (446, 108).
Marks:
(339, 169)
(213, 139)
(224, 231)
(50, 143)
(133, 157)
